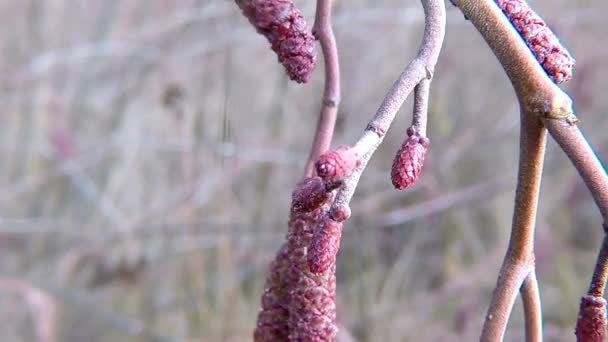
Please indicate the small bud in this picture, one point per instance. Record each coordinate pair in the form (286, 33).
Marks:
(310, 194)
(335, 165)
(324, 245)
(340, 213)
(545, 45)
(284, 27)
(408, 161)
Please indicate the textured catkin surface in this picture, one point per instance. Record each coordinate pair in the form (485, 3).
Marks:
(549, 51)
(286, 30)
(299, 304)
(408, 162)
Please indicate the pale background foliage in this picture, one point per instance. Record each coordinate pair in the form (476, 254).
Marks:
(149, 149)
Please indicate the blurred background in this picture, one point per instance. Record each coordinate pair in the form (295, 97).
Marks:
(149, 149)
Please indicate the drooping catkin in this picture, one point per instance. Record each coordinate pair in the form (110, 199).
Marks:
(286, 30)
(544, 44)
(297, 304)
(324, 245)
(409, 160)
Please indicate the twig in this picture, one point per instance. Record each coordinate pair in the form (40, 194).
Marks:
(540, 99)
(421, 106)
(532, 308)
(323, 32)
(419, 69)
(519, 260)
(600, 274)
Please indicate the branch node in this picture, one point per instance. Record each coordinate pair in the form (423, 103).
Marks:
(330, 103)
(380, 131)
(429, 73)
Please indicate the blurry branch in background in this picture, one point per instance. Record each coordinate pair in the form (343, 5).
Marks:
(330, 101)
(42, 307)
(543, 105)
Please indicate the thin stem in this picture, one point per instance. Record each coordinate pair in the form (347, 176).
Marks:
(581, 154)
(600, 274)
(419, 69)
(530, 296)
(519, 259)
(539, 97)
(323, 31)
(421, 106)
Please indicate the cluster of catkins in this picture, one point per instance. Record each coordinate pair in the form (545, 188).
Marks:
(545, 45)
(298, 303)
(286, 30)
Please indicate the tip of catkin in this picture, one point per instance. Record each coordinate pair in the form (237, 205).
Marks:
(286, 30)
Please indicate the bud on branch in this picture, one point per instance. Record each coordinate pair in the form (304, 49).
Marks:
(409, 159)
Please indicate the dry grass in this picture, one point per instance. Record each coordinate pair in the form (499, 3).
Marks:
(149, 149)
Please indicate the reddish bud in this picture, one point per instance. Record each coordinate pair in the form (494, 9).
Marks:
(335, 165)
(340, 213)
(408, 161)
(591, 322)
(284, 27)
(545, 45)
(324, 246)
(310, 194)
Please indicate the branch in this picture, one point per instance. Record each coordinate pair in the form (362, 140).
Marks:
(532, 308)
(331, 94)
(519, 259)
(421, 68)
(542, 101)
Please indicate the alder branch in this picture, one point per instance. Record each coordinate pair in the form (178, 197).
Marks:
(421, 68)
(540, 99)
(421, 106)
(532, 307)
(324, 33)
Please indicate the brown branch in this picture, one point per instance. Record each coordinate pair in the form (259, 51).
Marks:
(540, 98)
(331, 94)
(581, 154)
(532, 308)
(421, 68)
(519, 260)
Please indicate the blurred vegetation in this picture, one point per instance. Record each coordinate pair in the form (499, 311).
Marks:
(149, 149)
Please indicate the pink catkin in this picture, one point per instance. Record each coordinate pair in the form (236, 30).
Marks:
(591, 322)
(297, 304)
(324, 246)
(310, 194)
(286, 30)
(335, 165)
(408, 161)
(312, 309)
(546, 47)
